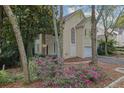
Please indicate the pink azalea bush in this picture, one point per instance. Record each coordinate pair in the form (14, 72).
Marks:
(91, 75)
(52, 72)
(49, 67)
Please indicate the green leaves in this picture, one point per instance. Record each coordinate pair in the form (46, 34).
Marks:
(120, 22)
(32, 20)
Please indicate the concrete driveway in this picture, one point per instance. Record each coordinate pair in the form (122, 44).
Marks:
(111, 60)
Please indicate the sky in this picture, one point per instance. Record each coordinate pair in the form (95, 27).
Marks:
(85, 8)
(70, 9)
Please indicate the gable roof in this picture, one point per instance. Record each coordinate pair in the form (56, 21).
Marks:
(71, 14)
(84, 20)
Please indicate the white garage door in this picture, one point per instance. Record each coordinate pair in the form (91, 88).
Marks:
(87, 52)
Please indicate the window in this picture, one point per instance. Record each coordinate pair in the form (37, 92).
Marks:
(72, 36)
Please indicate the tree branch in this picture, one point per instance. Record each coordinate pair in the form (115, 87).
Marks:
(116, 21)
(100, 14)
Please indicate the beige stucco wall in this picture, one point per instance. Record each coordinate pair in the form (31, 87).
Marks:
(50, 40)
(79, 41)
(69, 24)
(83, 38)
(38, 43)
(87, 38)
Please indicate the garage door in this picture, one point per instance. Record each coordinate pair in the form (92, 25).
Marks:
(87, 52)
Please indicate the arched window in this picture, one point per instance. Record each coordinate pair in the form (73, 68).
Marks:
(72, 36)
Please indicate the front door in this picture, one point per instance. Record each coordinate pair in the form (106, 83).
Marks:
(73, 43)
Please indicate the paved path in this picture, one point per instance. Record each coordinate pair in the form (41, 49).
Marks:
(111, 60)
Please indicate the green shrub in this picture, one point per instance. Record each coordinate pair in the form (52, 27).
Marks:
(9, 56)
(33, 70)
(4, 77)
(19, 76)
(110, 47)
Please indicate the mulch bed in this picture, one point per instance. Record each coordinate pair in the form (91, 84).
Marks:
(35, 84)
(108, 68)
(76, 59)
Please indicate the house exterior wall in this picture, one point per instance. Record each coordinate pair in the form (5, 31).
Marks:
(38, 45)
(80, 41)
(50, 42)
(87, 34)
(100, 34)
(84, 39)
(69, 24)
(120, 40)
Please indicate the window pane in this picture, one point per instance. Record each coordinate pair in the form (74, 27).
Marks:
(72, 36)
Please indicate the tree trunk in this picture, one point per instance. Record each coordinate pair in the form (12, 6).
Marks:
(1, 24)
(29, 49)
(56, 32)
(1, 18)
(93, 36)
(19, 40)
(61, 30)
(106, 42)
(43, 42)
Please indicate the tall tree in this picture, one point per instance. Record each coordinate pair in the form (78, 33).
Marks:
(93, 36)
(55, 29)
(1, 23)
(95, 20)
(109, 19)
(61, 30)
(19, 40)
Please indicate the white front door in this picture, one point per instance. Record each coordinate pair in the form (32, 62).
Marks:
(73, 43)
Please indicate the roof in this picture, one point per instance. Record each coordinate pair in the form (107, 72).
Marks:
(84, 20)
(71, 14)
(119, 31)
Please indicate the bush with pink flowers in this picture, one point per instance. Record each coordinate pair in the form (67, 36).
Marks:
(49, 67)
(91, 75)
(53, 74)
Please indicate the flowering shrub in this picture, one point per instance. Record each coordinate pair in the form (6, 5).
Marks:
(70, 72)
(63, 83)
(53, 74)
(49, 67)
(90, 75)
